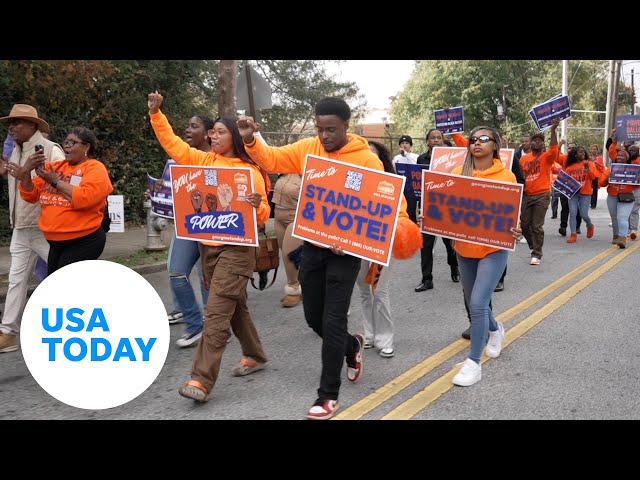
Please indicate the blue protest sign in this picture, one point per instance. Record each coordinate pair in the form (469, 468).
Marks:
(450, 120)
(566, 184)
(556, 108)
(625, 173)
(628, 128)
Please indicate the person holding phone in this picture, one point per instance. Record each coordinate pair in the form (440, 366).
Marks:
(27, 240)
(72, 194)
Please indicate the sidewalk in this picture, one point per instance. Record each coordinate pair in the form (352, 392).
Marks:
(131, 241)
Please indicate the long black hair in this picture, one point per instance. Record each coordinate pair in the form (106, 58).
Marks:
(384, 155)
(239, 150)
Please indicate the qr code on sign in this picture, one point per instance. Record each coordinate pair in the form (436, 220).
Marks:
(211, 178)
(353, 181)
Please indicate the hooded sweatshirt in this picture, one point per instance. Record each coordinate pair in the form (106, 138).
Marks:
(494, 172)
(292, 158)
(182, 153)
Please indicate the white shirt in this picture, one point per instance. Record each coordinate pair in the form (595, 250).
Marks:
(408, 157)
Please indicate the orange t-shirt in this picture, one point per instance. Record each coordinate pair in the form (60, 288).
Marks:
(584, 176)
(537, 170)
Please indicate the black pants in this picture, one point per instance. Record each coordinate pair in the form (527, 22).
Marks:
(426, 255)
(65, 252)
(327, 282)
(564, 214)
(594, 195)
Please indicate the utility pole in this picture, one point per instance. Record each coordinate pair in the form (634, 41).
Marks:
(227, 75)
(633, 95)
(608, 115)
(565, 91)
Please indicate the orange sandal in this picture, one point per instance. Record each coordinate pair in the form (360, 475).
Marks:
(194, 390)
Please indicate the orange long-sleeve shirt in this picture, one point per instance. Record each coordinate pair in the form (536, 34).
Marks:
(459, 140)
(61, 219)
(537, 174)
(584, 176)
(182, 153)
(494, 172)
(292, 158)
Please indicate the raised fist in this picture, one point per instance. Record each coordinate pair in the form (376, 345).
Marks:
(154, 101)
(225, 195)
(212, 202)
(196, 200)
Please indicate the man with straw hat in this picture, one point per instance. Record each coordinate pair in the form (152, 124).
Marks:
(27, 241)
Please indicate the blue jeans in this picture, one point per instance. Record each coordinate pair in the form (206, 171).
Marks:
(579, 203)
(183, 255)
(479, 277)
(619, 213)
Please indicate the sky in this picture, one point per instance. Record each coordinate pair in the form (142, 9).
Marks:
(377, 79)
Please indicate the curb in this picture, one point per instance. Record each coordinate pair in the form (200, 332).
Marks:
(141, 269)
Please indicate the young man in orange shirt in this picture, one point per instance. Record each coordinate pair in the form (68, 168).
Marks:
(536, 167)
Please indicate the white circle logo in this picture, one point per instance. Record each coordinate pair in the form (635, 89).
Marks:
(94, 334)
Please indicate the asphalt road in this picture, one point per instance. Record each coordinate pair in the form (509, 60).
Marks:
(571, 350)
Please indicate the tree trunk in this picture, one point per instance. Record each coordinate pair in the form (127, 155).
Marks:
(227, 79)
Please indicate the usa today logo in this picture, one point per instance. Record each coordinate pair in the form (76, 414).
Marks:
(94, 334)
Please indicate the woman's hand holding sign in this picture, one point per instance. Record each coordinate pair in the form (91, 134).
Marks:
(254, 199)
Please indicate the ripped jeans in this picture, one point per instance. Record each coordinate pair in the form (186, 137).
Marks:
(183, 255)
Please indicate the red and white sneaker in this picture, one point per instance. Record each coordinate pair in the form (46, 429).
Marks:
(323, 410)
(354, 361)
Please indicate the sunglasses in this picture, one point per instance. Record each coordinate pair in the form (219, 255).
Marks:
(482, 138)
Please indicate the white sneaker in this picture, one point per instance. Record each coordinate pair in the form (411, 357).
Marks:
(494, 345)
(534, 261)
(387, 352)
(470, 373)
(523, 240)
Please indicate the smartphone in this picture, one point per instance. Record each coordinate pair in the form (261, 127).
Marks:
(39, 148)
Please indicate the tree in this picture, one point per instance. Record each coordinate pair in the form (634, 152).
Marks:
(297, 85)
(496, 93)
(110, 98)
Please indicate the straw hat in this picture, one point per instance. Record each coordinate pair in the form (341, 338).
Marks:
(26, 112)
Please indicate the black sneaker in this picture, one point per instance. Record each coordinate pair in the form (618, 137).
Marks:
(562, 231)
(189, 339)
(175, 317)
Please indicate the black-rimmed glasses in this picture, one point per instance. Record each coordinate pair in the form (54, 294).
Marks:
(69, 143)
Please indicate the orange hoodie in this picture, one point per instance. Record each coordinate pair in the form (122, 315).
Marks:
(292, 158)
(182, 153)
(61, 219)
(494, 172)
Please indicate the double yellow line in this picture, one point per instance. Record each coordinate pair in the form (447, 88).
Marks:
(440, 386)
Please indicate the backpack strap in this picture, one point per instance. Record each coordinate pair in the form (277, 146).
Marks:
(275, 272)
